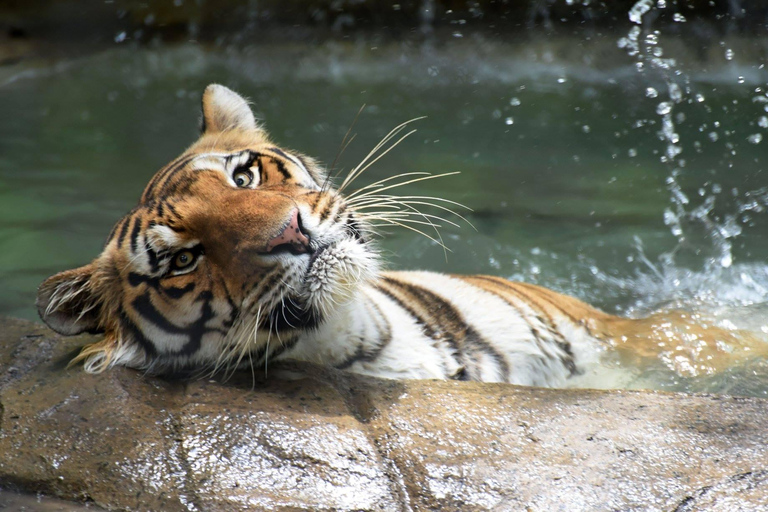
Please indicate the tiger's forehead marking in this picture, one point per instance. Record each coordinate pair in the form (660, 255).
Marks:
(165, 179)
(227, 162)
(237, 158)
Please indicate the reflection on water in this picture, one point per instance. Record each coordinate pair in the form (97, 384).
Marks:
(637, 187)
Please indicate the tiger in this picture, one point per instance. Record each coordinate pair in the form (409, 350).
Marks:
(241, 252)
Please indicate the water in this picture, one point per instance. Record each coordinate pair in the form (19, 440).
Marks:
(597, 180)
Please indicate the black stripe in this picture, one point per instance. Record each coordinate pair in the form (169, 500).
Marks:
(165, 175)
(365, 353)
(293, 313)
(177, 292)
(144, 307)
(547, 296)
(339, 212)
(135, 233)
(136, 335)
(195, 331)
(173, 210)
(279, 152)
(281, 168)
(327, 211)
(423, 323)
(446, 321)
(545, 320)
(135, 279)
(123, 230)
(353, 226)
(154, 258)
(179, 186)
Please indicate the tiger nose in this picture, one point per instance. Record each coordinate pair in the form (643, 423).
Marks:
(291, 236)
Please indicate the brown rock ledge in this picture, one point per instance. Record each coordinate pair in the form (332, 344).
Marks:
(336, 441)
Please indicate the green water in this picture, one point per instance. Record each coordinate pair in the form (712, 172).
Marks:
(560, 166)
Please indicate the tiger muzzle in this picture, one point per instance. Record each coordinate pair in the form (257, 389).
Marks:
(292, 237)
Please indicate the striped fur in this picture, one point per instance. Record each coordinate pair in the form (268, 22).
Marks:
(239, 252)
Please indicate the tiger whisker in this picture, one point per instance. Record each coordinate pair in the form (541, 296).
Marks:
(401, 198)
(403, 183)
(356, 173)
(390, 222)
(405, 216)
(365, 164)
(342, 148)
(378, 183)
(395, 207)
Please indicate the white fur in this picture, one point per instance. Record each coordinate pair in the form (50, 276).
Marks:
(411, 354)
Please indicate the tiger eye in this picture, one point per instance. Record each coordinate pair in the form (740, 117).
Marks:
(183, 259)
(242, 178)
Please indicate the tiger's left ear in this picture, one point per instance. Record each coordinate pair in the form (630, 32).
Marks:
(67, 304)
(224, 110)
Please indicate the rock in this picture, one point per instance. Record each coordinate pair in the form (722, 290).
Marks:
(337, 441)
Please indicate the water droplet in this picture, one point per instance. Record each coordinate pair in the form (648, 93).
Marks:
(679, 18)
(740, 80)
(763, 122)
(755, 138)
(496, 114)
(509, 121)
(458, 34)
(729, 54)
(664, 108)
(433, 71)
(700, 98)
(726, 261)
(638, 10)
(713, 136)
(650, 92)
(514, 102)
(562, 80)
(120, 37)
(586, 128)
(675, 92)
(632, 152)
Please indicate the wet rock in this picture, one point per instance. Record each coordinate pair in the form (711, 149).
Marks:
(332, 440)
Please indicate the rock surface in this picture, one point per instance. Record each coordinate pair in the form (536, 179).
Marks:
(336, 441)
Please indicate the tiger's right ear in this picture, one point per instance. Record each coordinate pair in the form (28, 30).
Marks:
(66, 303)
(224, 109)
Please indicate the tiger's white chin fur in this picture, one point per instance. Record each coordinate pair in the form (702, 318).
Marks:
(336, 272)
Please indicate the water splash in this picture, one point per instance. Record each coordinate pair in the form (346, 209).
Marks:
(719, 290)
(683, 216)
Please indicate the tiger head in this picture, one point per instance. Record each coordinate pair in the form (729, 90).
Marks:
(234, 242)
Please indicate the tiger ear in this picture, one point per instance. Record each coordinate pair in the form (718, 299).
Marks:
(66, 303)
(224, 109)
